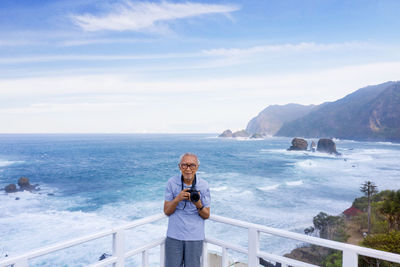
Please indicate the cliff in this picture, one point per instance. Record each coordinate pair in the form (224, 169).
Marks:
(271, 119)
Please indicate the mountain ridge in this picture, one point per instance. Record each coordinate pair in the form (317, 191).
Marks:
(371, 113)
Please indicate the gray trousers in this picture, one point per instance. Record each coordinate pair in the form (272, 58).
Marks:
(180, 253)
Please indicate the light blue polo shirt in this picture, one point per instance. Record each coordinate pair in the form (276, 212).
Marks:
(186, 224)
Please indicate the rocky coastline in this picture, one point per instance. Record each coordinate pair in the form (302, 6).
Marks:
(371, 113)
(242, 133)
(23, 185)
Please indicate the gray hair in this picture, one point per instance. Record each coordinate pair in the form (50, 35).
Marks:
(189, 154)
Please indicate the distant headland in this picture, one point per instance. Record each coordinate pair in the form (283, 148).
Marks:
(371, 113)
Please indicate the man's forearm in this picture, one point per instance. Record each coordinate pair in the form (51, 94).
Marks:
(204, 213)
(170, 206)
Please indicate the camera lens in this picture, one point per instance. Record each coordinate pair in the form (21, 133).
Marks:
(194, 196)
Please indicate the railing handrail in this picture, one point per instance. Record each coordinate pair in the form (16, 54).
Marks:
(72, 242)
(310, 239)
(349, 251)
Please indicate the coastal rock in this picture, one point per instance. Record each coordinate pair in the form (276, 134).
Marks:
(298, 144)
(310, 254)
(226, 133)
(327, 146)
(23, 182)
(11, 188)
(241, 133)
(104, 256)
(24, 185)
(256, 135)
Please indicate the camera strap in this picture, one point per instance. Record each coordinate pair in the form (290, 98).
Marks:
(193, 183)
(193, 186)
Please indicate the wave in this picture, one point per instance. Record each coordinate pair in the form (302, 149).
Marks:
(298, 153)
(294, 183)
(4, 163)
(218, 189)
(269, 187)
(307, 164)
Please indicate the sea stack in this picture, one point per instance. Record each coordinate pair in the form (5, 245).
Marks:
(298, 144)
(327, 146)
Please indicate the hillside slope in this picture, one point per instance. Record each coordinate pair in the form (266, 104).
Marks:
(271, 119)
(370, 113)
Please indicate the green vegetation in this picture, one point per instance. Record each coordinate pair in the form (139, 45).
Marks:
(333, 260)
(388, 242)
(385, 211)
(330, 227)
(383, 223)
(390, 208)
(369, 189)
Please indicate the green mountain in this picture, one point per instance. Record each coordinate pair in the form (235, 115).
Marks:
(370, 113)
(271, 119)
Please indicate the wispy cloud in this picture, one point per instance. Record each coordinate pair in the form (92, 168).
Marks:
(300, 47)
(13, 43)
(146, 16)
(211, 53)
(51, 58)
(82, 42)
(68, 107)
(314, 83)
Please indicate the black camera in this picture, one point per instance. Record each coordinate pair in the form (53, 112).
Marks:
(194, 194)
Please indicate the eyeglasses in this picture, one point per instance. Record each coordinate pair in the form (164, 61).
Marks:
(185, 166)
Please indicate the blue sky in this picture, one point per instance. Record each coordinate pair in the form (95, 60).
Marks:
(127, 66)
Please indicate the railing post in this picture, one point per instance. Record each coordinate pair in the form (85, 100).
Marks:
(204, 260)
(254, 238)
(145, 259)
(162, 254)
(350, 258)
(21, 263)
(225, 261)
(119, 248)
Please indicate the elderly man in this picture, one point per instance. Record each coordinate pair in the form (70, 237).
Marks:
(187, 203)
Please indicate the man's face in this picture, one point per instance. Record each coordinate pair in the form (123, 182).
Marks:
(188, 167)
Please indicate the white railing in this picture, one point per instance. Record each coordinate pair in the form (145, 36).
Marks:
(350, 252)
(118, 256)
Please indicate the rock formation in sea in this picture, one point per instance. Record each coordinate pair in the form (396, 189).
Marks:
(257, 135)
(298, 144)
(327, 146)
(241, 133)
(228, 133)
(11, 188)
(24, 185)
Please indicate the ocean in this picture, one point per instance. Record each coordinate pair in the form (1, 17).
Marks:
(93, 182)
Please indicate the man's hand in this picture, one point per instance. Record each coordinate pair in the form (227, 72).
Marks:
(170, 206)
(183, 195)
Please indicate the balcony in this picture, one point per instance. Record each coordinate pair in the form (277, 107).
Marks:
(120, 253)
